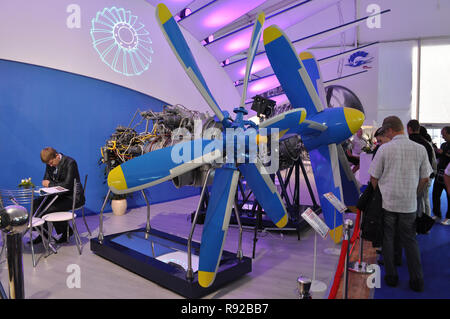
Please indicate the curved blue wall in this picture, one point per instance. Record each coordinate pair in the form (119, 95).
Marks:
(42, 107)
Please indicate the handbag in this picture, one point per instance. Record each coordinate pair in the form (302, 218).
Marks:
(424, 224)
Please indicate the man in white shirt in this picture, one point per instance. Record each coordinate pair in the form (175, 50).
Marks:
(401, 170)
(358, 143)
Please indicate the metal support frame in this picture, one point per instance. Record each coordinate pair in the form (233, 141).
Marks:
(15, 266)
(291, 206)
(100, 227)
(360, 266)
(239, 254)
(348, 225)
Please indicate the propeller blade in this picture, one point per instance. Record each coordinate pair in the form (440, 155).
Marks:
(325, 165)
(184, 55)
(290, 71)
(162, 165)
(216, 223)
(265, 192)
(254, 41)
(287, 123)
(312, 67)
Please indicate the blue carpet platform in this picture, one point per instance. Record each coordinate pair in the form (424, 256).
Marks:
(435, 254)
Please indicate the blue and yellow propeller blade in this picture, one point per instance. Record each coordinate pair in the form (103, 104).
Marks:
(254, 41)
(290, 71)
(287, 123)
(325, 165)
(259, 181)
(216, 223)
(184, 55)
(312, 67)
(350, 186)
(162, 165)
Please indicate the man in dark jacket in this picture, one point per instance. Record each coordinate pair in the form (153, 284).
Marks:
(413, 128)
(60, 170)
(443, 157)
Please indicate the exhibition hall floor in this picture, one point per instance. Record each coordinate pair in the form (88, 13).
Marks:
(279, 260)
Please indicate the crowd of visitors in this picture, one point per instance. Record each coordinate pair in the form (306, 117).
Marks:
(405, 165)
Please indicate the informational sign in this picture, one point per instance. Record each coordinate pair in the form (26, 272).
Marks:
(340, 206)
(51, 190)
(315, 222)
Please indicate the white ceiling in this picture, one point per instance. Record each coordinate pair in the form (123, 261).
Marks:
(407, 19)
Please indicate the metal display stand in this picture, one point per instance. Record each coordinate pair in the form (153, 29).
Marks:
(348, 225)
(13, 221)
(316, 285)
(255, 216)
(360, 266)
(140, 251)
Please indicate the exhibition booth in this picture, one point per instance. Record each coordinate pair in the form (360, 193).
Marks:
(207, 149)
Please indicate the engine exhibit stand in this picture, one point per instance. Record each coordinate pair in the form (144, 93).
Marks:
(253, 215)
(168, 260)
(138, 251)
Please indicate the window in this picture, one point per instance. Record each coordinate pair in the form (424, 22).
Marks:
(434, 98)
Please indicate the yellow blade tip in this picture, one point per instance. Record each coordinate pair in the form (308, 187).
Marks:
(206, 278)
(261, 18)
(302, 116)
(336, 234)
(271, 33)
(283, 221)
(116, 179)
(306, 55)
(355, 118)
(163, 13)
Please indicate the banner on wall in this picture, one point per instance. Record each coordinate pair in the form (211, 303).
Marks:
(353, 81)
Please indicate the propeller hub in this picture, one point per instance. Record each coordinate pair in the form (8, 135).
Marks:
(240, 110)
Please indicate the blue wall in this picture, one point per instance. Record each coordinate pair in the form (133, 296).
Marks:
(42, 107)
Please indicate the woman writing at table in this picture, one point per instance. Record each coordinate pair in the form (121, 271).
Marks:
(60, 170)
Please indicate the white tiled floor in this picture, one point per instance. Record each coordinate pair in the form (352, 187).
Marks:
(280, 259)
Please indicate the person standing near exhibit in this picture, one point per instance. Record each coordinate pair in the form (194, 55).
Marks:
(447, 178)
(400, 170)
(443, 158)
(358, 144)
(381, 139)
(413, 128)
(60, 170)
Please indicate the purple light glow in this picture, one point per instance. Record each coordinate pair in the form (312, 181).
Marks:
(234, 43)
(257, 66)
(239, 43)
(218, 19)
(222, 13)
(263, 85)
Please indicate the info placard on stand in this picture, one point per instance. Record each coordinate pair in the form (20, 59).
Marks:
(322, 229)
(341, 208)
(338, 204)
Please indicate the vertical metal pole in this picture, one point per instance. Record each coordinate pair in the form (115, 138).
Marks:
(236, 212)
(15, 266)
(315, 256)
(297, 186)
(347, 226)
(147, 227)
(100, 228)
(190, 272)
(308, 184)
(419, 62)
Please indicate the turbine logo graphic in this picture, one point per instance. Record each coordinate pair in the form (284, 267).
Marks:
(121, 41)
(359, 58)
